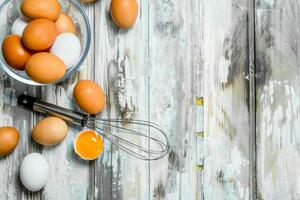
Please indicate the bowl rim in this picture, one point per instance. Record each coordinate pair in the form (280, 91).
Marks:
(69, 72)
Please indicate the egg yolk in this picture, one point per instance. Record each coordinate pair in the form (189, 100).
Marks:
(89, 145)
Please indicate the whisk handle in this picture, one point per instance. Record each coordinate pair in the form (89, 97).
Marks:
(26, 101)
(32, 103)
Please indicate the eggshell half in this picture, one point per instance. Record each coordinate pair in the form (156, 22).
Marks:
(88, 145)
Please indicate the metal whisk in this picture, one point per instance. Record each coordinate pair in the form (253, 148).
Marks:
(143, 139)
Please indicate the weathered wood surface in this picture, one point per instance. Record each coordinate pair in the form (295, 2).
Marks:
(278, 97)
(227, 125)
(147, 72)
(173, 57)
(155, 71)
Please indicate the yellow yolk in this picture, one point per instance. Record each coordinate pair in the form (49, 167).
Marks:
(89, 145)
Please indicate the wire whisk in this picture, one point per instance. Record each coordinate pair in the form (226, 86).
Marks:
(144, 140)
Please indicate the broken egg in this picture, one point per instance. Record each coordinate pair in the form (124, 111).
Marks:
(88, 145)
(64, 24)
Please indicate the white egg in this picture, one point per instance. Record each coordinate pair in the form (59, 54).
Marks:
(19, 25)
(34, 171)
(67, 47)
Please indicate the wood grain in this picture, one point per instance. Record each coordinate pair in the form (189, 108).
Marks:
(277, 49)
(173, 58)
(151, 71)
(227, 168)
(121, 57)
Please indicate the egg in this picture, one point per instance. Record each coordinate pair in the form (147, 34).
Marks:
(19, 25)
(50, 131)
(89, 96)
(88, 145)
(48, 9)
(124, 12)
(64, 24)
(45, 68)
(14, 53)
(67, 47)
(39, 34)
(34, 171)
(9, 138)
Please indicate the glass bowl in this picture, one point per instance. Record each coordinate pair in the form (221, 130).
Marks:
(10, 10)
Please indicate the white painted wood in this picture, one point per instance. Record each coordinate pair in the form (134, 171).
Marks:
(148, 72)
(173, 57)
(121, 62)
(226, 112)
(69, 175)
(278, 97)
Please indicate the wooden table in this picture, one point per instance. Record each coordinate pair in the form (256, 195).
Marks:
(242, 55)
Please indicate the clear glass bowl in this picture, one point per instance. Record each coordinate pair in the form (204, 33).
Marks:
(10, 10)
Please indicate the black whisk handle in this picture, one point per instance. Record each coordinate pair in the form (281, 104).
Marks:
(69, 115)
(26, 101)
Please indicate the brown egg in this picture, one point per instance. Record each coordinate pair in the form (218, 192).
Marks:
(50, 131)
(9, 138)
(39, 34)
(34, 9)
(14, 53)
(89, 96)
(124, 12)
(64, 24)
(45, 68)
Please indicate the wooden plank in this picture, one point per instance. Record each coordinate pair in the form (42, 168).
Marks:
(174, 57)
(62, 183)
(103, 166)
(197, 63)
(10, 186)
(122, 68)
(11, 115)
(227, 168)
(69, 175)
(278, 56)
